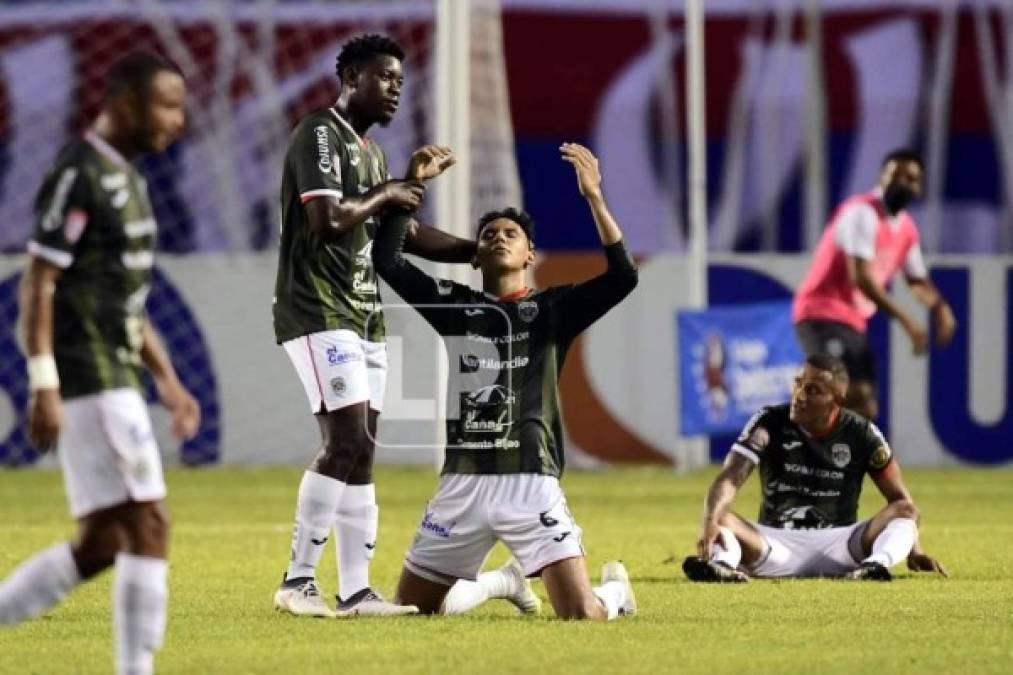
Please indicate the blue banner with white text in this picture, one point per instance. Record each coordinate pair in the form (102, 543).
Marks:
(732, 361)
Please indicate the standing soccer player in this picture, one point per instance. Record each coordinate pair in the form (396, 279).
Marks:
(87, 336)
(500, 480)
(327, 316)
(869, 239)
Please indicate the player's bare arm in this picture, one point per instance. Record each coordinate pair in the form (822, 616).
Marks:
(861, 272)
(331, 217)
(589, 182)
(943, 321)
(177, 400)
(736, 470)
(45, 410)
(890, 483)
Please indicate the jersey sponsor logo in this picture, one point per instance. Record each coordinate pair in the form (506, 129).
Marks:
(360, 284)
(487, 410)
(519, 336)
(138, 260)
(430, 524)
(803, 470)
(840, 453)
(324, 161)
(53, 218)
(140, 228)
(791, 445)
(527, 310)
(336, 357)
(338, 385)
(113, 181)
(473, 363)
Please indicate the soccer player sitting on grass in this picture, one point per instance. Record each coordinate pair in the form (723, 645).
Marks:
(504, 455)
(813, 455)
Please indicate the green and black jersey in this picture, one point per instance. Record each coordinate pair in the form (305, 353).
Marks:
(811, 482)
(327, 284)
(94, 220)
(503, 412)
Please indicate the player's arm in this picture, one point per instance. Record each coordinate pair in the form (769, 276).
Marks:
(427, 163)
(45, 411)
(856, 237)
(925, 292)
(590, 300)
(736, 469)
(891, 485)
(331, 216)
(177, 400)
(412, 284)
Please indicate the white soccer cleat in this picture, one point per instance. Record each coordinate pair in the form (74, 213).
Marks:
(301, 597)
(369, 603)
(615, 570)
(522, 597)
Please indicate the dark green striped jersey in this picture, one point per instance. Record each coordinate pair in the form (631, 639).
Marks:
(94, 220)
(327, 285)
(811, 482)
(503, 412)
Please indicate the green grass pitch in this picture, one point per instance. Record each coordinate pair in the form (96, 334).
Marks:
(230, 545)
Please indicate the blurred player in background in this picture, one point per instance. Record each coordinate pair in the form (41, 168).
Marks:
(870, 238)
(500, 480)
(87, 336)
(335, 185)
(813, 456)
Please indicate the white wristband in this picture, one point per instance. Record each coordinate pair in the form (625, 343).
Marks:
(42, 373)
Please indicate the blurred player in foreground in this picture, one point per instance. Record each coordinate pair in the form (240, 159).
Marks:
(869, 239)
(87, 336)
(328, 317)
(813, 455)
(504, 457)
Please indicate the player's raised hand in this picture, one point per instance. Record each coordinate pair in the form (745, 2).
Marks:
(405, 193)
(430, 161)
(920, 562)
(45, 417)
(586, 165)
(182, 406)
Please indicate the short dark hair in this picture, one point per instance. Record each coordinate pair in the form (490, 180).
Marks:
(832, 365)
(519, 216)
(363, 48)
(904, 155)
(134, 72)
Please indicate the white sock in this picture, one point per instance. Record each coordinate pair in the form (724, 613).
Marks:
(318, 499)
(727, 549)
(466, 595)
(140, 597)
(355, 525)
(612, 595)
(894, 543)
(37, 584)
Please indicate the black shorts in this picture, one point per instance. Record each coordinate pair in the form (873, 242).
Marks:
(840, 340)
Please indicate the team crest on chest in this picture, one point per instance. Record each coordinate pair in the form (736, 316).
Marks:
(527, 310)
(840, 453)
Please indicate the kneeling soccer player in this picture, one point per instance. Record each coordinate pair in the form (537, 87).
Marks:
(500, 480)
(813, 455)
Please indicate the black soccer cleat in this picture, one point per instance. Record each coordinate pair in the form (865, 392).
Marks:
(711, 571)
(871, 571)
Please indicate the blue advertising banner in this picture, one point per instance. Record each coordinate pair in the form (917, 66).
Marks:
(732, 361)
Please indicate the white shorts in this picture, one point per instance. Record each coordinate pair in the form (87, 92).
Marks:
(470, 513)
(338, 368)
(108, 452)
(831, 552)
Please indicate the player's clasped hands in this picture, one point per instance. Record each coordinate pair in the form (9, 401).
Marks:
(406, 193)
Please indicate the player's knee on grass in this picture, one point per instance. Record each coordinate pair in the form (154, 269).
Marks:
(427, 595)
(862, 399)
(580, 608)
